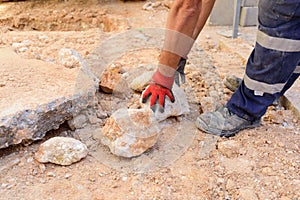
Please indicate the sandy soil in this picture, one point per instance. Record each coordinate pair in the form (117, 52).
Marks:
(261, 163)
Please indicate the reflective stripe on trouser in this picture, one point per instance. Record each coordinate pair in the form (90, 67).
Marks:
(273, 66)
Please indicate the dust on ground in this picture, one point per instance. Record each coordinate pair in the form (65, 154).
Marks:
(262, 163)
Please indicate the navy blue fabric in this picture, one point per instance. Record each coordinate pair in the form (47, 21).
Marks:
(277, 18)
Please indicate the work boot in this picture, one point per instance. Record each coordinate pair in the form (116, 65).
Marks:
(223, 123)
(232, 82)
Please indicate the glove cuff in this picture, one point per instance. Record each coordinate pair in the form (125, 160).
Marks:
(162, 80)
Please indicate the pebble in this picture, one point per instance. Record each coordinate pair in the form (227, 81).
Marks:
(23, 49)
(148, 6)
(30, 159)
(229, 148)
(51, 174)
(4, 185)
(42, 167)
(67, 176)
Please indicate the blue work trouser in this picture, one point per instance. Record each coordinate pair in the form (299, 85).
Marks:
(274, 64)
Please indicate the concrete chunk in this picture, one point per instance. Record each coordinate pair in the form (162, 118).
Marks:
(249, 16)
(249, 3)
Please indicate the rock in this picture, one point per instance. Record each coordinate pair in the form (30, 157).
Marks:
(110, 78)
(140, 83)
(2, 84)
(168, 3)
(209, 104)
(179, 107)
(101, 114)
(61, 151)
(78, 121)
(148, 6)
(131, 132)
(69, 58)
(229, 148)
(47, 96)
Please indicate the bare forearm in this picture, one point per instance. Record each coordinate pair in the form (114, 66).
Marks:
(206, 8)
(182, 20)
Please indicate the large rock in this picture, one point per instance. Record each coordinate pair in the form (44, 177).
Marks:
(61, 151)
(131, 132)
(37, 96)
(179, 107)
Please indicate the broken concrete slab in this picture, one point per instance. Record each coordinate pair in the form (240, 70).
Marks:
(37, 96)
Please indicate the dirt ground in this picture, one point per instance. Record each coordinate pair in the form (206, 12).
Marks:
(262, 163)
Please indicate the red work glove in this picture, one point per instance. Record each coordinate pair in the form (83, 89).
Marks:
(158, 89)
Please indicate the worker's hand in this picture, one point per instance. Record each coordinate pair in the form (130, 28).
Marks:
(180, 71)
(158, 89)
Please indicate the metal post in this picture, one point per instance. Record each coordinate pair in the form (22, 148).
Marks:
(236, 18)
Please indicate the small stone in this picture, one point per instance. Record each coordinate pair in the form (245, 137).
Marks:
(78, 121)
(168, 3)
(207, 37)
(209, 104)
(97, 134)
(70, 58)
(110, 78)
(140, 83)
(30, 159)
(67, 176)
(17, 45)
(2, 84)
(93, 119)
(4, 185)
(23, 49)
(43, 181)
(148, 6)
(101, 114)
(229, 148)
(92, 179)
(42, 168)
(61, 151)
(131, 132)
(43, 37)
(51, 174)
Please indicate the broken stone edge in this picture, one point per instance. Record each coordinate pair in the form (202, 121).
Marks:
(31, 125)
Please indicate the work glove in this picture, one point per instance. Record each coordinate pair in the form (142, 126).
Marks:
(180, 72)
(159, 87)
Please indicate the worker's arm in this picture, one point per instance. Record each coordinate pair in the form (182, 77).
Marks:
(185, 21)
